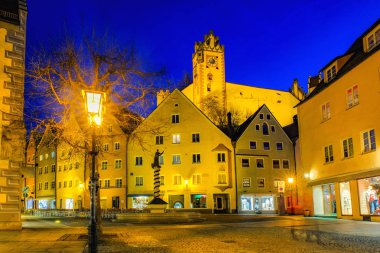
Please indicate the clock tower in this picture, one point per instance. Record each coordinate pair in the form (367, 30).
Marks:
(209, 85)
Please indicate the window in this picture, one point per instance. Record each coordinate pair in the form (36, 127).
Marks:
(276, 183)
(352, 96)
(53, 168)
(39, 186)
(279, 146)
(139, 160)
(175, 118)
(196, 138)
(275, 164)
(104, 165)
(246, 182)
(259, 163)
(106, 183)
(46, 169)
(245, 162)
(77, 165)
(117, 145)
(252, 145)
(377, 36)
(159, 140)
(268, 116)
(100, 183)
(117, 163)
(46, 156)
(64, 167)
(261, 116)
(105, 147)
(348, 148)
(258, 127)
(70, 166)
(116, 202)
(273, 128)
(70, 183)
(331, 73)
(176, 138)
(41, 157)
(196, 158)
(110, 128)
(222, 178)
(59, 168)
(196, 179)
(119, 182)
(266, 145)
(329, 157)
(221, 157)
(285, 164)
(64, 184)
(46, 185)
(176, 159)
(39, 171)
(177, 180)
(326, 111)
(261, 183)
(59, 184)
(161, 159)
(369, 141)
(371, 42)
(52, 154)
(162, 180)
(265, 129)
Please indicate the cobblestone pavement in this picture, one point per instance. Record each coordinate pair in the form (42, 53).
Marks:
(218, 234)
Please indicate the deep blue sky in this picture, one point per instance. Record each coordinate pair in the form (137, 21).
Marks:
(267, 43)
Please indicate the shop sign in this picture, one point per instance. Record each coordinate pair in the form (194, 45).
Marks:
(281, 186)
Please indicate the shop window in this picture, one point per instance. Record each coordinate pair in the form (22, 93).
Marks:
(345, 198)
(348, 148)
(246, 203)
(369, 141)
(198, 201)
(369, 191)
(140, 202)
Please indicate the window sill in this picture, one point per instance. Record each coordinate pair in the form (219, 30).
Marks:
(369, 151)
(347, 158)
(324, 120)
(349, 107)
(327, 163)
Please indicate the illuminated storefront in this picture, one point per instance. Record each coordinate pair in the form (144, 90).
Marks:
(324, 199)
(369, 189)
(258, 202)
(345, 198)
(198, 201)
(140, 202)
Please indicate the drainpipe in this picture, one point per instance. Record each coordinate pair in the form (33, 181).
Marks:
(233, 142)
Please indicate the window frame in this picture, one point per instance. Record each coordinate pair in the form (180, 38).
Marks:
(175, 118)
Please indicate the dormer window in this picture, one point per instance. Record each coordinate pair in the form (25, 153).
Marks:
(331, 73)
(373, 39)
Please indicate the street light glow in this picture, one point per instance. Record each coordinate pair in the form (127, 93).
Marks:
(94, 105)
(290, 180)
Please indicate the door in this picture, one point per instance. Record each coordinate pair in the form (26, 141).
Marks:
(219, 203)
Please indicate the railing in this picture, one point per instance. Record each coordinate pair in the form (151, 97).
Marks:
(85, 213)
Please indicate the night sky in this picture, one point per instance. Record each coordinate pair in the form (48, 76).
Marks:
(267, 43)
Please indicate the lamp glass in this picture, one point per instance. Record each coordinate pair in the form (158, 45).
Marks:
(290, 180)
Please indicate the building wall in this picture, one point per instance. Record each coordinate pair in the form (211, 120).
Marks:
(12, 130)
(344, 123)
(212, 141)
(268, 173)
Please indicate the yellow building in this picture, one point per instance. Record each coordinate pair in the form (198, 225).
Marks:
(197, 164)
(339, 130)
(12, 130)
(46, 161)
(264, 162)
(215, 97)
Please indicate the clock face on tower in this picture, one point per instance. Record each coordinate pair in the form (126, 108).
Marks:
(212, 61)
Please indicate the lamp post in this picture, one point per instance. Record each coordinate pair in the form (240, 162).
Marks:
(93, 103)
(291, 181)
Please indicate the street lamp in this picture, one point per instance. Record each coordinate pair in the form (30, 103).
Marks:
(93, 104)
(291, 181)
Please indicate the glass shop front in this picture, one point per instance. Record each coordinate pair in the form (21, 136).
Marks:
(369, 195)
(258, 202)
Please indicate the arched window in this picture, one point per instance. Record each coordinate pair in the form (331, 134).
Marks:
(265, 129)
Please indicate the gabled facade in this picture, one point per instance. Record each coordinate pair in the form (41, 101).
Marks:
(46, 161)
(339, 134)
(197, 164)
(264, 162)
